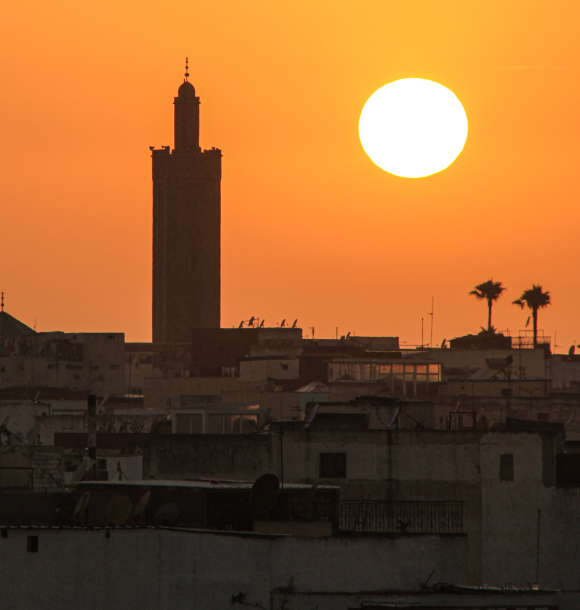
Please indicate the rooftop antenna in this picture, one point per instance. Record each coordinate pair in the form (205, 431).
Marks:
(431, 314)
(312, 329)
(2, 303)
(186, 68)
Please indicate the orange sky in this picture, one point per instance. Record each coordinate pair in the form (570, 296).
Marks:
(311, 228)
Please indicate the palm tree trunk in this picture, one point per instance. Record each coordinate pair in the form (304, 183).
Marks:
(489, 305)
(535, 319)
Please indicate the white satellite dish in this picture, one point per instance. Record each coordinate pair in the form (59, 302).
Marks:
(80, 472)
(311, 415)
(142, 505)
(33, 434)
(394, 417)
(81, 506)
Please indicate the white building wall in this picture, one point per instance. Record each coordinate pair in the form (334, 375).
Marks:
(152, 569)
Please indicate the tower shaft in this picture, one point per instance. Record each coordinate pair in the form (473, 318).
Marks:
(186, 229)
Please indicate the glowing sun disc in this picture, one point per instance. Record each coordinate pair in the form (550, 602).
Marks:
(413, 127)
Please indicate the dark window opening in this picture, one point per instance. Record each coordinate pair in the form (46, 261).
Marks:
(506, 467)
(32, 544)
(102, 464)
(507, 392)
(333, 465)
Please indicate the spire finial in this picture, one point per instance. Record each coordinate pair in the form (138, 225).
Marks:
(186, 69)
(2, 303)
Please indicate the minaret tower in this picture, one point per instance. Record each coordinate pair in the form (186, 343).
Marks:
(186, 228)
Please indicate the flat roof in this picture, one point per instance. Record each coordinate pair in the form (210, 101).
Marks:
(203, 484)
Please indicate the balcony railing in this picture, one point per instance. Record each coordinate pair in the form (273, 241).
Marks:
(400, 517)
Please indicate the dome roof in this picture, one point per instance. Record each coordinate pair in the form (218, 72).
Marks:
(186, 90)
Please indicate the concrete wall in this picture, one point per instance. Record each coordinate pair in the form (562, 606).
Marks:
(172, 392)
(500, 517)
(146, 568)
(74, 361)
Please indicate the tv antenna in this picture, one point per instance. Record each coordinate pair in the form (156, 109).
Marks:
(432, 313)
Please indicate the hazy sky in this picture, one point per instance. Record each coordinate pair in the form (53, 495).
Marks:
(311, 228)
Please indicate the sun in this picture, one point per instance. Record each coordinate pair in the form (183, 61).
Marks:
(413, 127)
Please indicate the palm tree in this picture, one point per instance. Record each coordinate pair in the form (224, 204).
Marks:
(534, 298)
(490, 291)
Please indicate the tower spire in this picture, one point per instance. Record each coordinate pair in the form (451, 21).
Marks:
(186, 69)
(2, 303)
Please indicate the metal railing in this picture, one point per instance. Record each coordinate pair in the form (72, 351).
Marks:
(525, 338)
(412, 517)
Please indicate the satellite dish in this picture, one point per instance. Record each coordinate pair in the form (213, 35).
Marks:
(283, 323)
(313, 410)
(80, 472)
(262, 323)
(294, 323)
(264, 493)
(4, 424)
(394, 417)
(142, 504)
(118, 510)
(264, 419)
(166, 514)
(81, 506)
(33, 434)
(136, 424)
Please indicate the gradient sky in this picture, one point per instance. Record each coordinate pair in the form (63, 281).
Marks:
(311, 228)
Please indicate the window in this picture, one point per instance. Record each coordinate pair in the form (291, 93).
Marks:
(506, 467)
(102, 464)
(113, 367)
(189, 424)
(2, 369)
(32, 544)
(333, 465)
